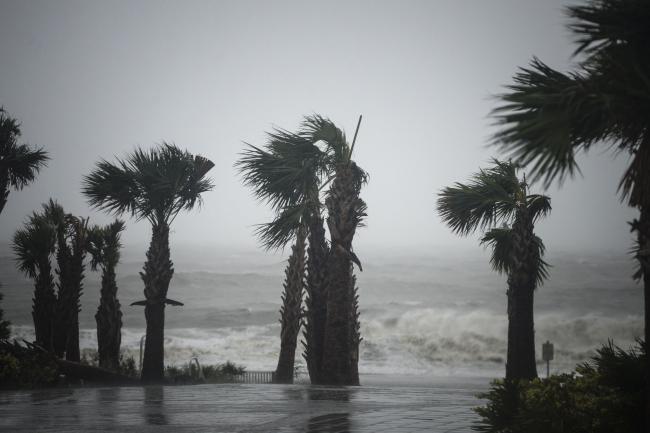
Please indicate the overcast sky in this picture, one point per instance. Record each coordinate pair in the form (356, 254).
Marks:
(92, 79)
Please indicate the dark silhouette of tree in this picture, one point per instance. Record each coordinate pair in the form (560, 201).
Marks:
(345, 213)
(547, 117)
(33, 246)
(154, 185)
(19, 163)
(4, 324)
(71, 239)
(496, 196)
(287, 174)
(104, 247)
(290, 174)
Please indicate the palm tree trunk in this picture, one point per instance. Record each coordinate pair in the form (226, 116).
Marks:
(291, 310)
(340, 350)
(316, 300)
(4, 193)
(109, 322)
(520, 362)
(44, 307)
(642, 227)
(156, 275)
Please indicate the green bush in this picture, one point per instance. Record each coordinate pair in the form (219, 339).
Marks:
(605, 395)
(22, 366)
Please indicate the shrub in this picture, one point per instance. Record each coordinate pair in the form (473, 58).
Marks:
(605, 395)
(24, 366)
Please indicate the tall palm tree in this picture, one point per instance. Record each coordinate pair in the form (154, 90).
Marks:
(548, 116)
(4, 324)
(104, 247)
(154, 185)
(71, 237)
(496, 196)
(345, 213)
(33, 246)
(19, 163)
(287, 174)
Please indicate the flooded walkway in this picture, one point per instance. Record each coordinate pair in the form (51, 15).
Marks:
(443, 407)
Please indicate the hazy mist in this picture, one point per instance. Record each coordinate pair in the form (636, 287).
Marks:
(92, 80)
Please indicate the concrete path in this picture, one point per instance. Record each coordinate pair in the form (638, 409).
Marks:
(443, 407)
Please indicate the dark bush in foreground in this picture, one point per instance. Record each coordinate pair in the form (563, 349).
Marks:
(605, 395)
(23, 366)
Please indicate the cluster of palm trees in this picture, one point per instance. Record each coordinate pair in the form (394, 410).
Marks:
(313, 185)
(291, 173)
(55, 243)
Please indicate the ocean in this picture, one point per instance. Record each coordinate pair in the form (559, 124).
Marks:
(437, 313)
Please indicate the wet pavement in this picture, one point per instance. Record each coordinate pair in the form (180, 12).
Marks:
(436, 407)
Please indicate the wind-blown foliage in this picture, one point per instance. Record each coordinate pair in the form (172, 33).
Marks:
(154, 185)
(33, 248)
(496, 196)
(19, 163)
(547, 117)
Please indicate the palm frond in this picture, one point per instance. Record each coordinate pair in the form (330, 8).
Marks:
(155, 184)
(538, 206)
(541, 267)
(602, 24)
(487, 199)
(547, 117)
(285, 173)
(282, 230)
(500, 239)
(33, 244)
(319, 128)
(19, 163)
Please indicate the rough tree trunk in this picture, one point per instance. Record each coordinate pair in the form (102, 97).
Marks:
(156, 275)
(520, 362)
(291, 310)
(316, 300)
(4, 193)
(43, 308)
(109, 322)
(643, 236)
(345, 208)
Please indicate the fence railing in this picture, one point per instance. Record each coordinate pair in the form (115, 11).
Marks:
(254, 377)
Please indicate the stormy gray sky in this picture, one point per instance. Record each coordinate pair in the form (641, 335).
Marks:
(92, 79)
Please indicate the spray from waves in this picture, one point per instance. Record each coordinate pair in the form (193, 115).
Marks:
(448, 341)
(420, 341)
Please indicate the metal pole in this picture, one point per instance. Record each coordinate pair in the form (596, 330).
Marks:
(547, 368)
(141, 347)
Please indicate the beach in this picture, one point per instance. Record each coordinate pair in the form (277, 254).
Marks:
(383, 404)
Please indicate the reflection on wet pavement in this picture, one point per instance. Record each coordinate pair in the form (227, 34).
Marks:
(242, 408)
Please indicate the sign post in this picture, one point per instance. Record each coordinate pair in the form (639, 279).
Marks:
(547, 355)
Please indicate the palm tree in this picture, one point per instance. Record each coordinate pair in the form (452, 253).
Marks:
(4, 324)
(71, 237)
(104, 247)
(287, 174)
(547, 116)
(33, 246)
(496, 196)
(154, 185)
(19, 163)
(345, 213)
